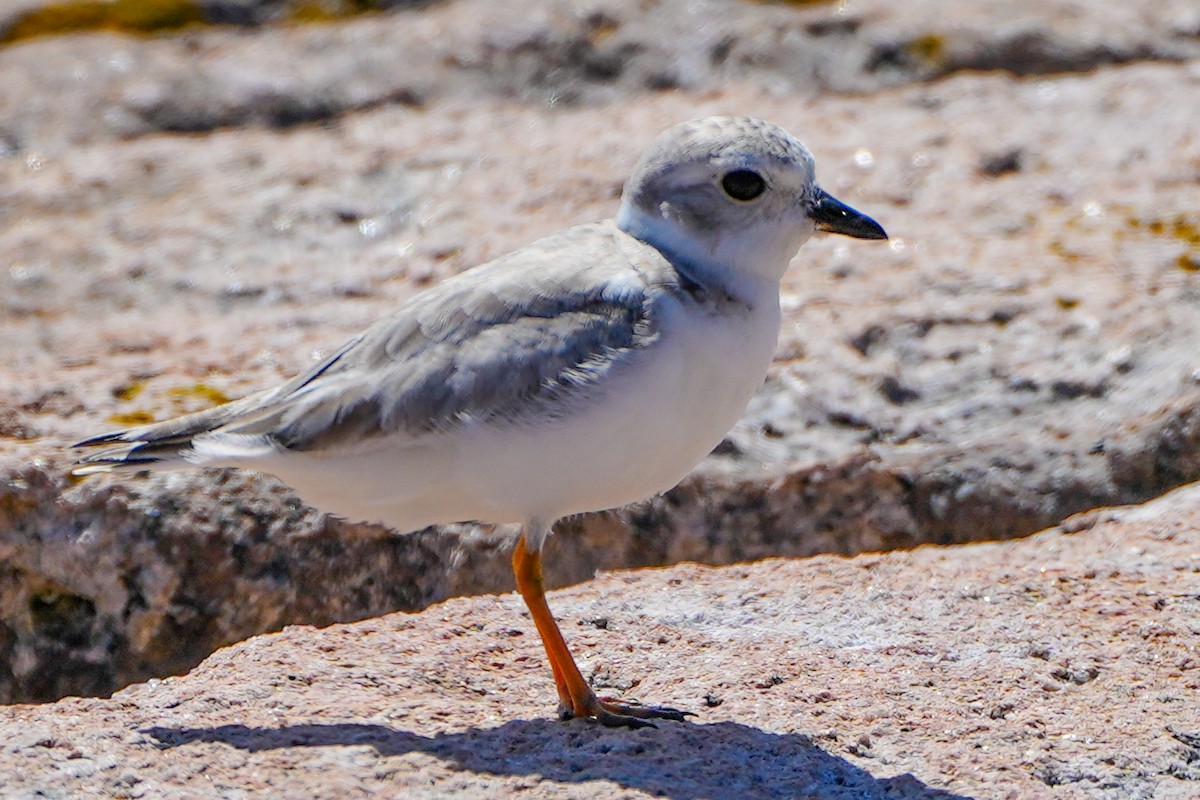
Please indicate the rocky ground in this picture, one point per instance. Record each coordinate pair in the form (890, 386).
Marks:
(1064, 665)
(189, 215)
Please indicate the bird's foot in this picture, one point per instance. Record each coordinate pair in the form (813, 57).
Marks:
(613, 713)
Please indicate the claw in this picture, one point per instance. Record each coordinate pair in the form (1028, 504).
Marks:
(611, 720)
(634, 709)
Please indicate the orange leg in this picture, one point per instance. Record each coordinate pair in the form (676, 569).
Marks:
(575, 696)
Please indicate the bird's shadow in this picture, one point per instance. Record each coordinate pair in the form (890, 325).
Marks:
(681, 761)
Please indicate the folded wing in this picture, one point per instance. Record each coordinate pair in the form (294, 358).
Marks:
(501, 344)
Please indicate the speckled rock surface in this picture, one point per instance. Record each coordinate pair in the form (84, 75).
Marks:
(1065, 665)
(190, 217)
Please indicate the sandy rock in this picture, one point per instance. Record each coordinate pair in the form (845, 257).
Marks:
(1064, 665)
(1025, 349)
(552, 54)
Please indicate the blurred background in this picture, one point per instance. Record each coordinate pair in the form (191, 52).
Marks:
(200, 197)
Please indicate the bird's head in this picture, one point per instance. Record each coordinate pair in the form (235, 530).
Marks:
(734, 193)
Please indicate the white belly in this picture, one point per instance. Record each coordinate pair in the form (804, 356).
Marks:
(651, 427)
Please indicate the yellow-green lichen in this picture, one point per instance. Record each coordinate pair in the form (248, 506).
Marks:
(1066, 303)
(130, 16)
(799, 2)
(327, 10)
(201, 391)
(132, 418)
(1181, 227)
(1059, 248)
(128, 391)
(929, 49)
(153, 16)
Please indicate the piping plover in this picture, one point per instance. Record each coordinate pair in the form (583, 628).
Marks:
(588, 370)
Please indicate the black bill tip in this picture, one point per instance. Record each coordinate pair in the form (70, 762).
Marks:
(834, 216)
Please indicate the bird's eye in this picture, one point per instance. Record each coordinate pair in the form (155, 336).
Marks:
(743, 184)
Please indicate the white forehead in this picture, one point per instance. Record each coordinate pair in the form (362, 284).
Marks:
(727, 142)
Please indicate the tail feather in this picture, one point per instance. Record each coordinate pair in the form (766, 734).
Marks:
(243, 429)
(159, 443)
(105, 438)
(132, 455)
(117, 458)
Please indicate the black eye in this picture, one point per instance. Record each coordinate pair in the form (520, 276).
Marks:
(743, 184)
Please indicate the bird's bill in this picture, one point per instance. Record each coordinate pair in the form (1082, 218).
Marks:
(834, 216)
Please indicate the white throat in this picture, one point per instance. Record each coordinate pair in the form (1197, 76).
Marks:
(744, 263)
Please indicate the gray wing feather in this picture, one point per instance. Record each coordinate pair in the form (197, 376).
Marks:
(498, 344)
(501, 343)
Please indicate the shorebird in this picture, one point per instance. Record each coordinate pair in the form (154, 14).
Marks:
(588, 370)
